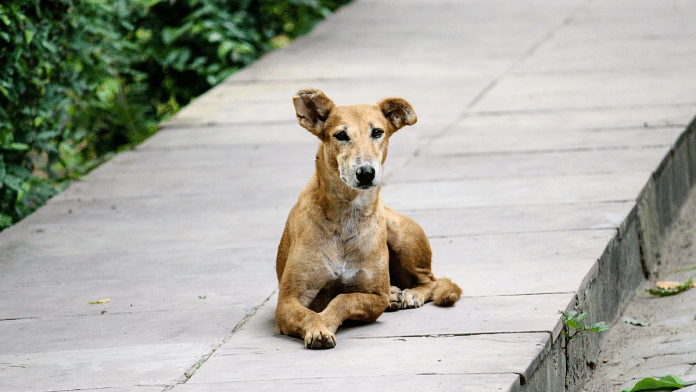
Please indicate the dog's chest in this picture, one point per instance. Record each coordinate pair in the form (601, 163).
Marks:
(345, 253)
(342, 269)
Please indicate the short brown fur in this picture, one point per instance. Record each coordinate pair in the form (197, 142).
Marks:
(343, 254)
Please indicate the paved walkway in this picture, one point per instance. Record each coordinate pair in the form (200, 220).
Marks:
(539, 124)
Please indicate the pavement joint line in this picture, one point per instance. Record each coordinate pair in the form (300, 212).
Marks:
(581, 109)
(610, 228)
(150, 196)
(22, 318)
(661, 127)
(448, 335)
(464, 179)
(483, 178)
(519, 295)
(388, 376)
(334, 79)
(405, 210)
(677, 354)
(218, 147)
(213, 124)
(97, 389)
(520, 205)
(634, 71)
(84, 315)
(192, 370)
(552, 151)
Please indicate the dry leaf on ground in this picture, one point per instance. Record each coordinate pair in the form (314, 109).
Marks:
(101, 301)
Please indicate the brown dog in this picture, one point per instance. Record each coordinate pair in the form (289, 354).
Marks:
(343, 254)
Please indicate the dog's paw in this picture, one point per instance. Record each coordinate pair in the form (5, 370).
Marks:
(412, 299)
(319, 339)
(396, 299)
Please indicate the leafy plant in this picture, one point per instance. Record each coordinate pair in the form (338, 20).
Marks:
(32, 86)
(668, 382)
(576, 322)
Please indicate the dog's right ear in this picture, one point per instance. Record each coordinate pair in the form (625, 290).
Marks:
(312, 108)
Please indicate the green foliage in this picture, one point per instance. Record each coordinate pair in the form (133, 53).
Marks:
(576, 322)
(82, 79)
(666, 383)
(32, 87)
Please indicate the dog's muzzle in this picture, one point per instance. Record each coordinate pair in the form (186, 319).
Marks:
(362, 174)
(365, 175)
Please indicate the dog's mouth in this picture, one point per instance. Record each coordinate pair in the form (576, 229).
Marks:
(365, 187)
(358, 185)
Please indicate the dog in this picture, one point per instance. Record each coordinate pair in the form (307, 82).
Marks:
(343, 255)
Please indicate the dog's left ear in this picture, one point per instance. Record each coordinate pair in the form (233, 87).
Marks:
(398, 112)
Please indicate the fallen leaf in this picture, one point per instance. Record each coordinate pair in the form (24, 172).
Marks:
(661, 292)
(667, 285)
(632, 321)
(101, 301)
(668, 382)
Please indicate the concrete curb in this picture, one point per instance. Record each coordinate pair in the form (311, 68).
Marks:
(629, 258)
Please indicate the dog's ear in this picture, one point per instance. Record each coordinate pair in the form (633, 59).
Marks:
(312, 108)
(398, 112)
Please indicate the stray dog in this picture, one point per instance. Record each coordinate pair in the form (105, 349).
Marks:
(343, 254)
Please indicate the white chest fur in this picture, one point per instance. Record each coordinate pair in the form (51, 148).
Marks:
(341, 269)
(344, 256)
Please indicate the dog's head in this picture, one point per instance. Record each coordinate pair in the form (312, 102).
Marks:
(354, 138)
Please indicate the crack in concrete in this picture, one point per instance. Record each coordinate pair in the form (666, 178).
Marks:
(192, 370)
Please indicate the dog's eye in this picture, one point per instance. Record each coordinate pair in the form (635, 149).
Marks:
(341, 136)
(377, 133)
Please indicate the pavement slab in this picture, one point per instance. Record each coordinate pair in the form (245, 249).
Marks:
(150, 367)
(251, 356)
(539, 126)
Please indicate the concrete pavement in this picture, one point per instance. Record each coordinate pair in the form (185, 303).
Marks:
(549, 158)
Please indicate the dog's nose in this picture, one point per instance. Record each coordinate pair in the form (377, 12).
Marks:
(365, 175)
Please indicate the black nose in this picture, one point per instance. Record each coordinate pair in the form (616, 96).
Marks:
(365, 175)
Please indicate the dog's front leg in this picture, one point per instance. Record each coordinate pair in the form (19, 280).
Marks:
(300, 283)
(294, 319)
(354, 306)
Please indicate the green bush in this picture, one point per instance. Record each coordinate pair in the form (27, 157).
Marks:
(32, 102)
(82, 79)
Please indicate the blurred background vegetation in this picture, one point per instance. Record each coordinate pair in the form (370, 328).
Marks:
(83, 79)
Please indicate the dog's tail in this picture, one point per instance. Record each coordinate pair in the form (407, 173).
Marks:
(446, 292)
